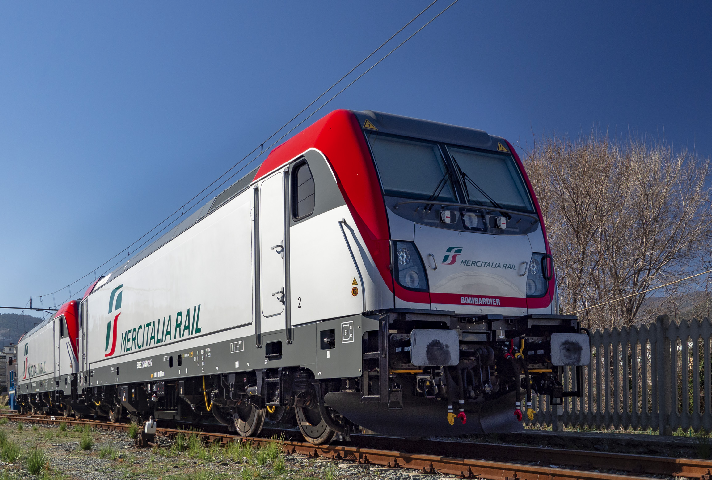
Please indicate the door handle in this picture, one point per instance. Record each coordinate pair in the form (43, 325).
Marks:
(279, 248)
(431, 261)
(280, 295)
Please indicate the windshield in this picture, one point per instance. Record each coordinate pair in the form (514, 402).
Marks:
(491, 179)
(411, 169)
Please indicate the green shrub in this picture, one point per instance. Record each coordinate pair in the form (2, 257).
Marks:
(133, 431)
(86, 442)
(9, 451)
(180, 443)
(77, 428)
(34, 428)
(19, 427)
(108, 452)
(3, 437)
(36, 460)
(62, 427)
(3, 421)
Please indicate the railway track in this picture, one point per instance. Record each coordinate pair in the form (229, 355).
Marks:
(500, 462)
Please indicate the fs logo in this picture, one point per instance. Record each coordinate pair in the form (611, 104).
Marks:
(451, 255)
(114, 305)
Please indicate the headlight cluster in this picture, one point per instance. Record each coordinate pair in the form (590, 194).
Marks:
(538, 275)
(409, 269)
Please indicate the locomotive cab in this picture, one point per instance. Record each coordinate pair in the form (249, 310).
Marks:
(475, 326)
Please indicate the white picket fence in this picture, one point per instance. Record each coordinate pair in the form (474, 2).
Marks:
(652, 377)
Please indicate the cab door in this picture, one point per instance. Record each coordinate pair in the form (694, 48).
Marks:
(272, 252)
(60, 328)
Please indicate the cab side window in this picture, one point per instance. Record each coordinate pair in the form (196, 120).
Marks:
(302, 191)
(62, 327)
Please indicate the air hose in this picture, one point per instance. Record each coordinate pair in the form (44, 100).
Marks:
(205, 397)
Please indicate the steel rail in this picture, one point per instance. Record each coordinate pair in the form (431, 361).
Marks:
(448, 457)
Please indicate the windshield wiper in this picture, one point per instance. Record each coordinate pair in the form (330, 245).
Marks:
(472, 182)
(439, 187)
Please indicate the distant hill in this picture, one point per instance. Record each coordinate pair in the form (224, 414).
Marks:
(13, 325)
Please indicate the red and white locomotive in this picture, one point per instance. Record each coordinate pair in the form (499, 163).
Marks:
(375, 271)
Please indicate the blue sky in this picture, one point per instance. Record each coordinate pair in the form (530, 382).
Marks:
(113, 114)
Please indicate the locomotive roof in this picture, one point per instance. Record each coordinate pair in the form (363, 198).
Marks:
(62, 310)
(426, 129)
(382, 122)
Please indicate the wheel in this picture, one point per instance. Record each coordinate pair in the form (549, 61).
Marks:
(115, 414)
(313, 427)
(249, 420)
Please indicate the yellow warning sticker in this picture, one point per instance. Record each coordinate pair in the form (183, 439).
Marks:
(354, 282)
(501, 147)
(354, 291)
(369, 125)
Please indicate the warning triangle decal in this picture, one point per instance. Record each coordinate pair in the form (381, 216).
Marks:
(369, 125)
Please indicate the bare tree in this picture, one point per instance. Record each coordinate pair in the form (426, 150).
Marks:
(622, 217)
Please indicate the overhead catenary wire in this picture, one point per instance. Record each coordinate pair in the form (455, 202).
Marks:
(642, 292)
(190, 203)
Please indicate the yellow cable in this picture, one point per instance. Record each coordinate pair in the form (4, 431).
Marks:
(96, 403)
(205, 396)
(270, 409)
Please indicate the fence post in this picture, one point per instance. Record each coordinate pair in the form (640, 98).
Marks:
(663, 375)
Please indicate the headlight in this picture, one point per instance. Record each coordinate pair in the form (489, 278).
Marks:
(537, 284)
(409, 269)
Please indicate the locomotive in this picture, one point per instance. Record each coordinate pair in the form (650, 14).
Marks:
(375, 272)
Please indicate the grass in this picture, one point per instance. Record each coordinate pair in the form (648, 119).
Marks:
(269, 453)
(3, 421)
(240, 452)
(35, 461)
(9, 451)
(35, 451)
(195, 446)
(330, 473)
(256, 461)
(279, 466)
(108, 452)
(19, 427)
(133, 431)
